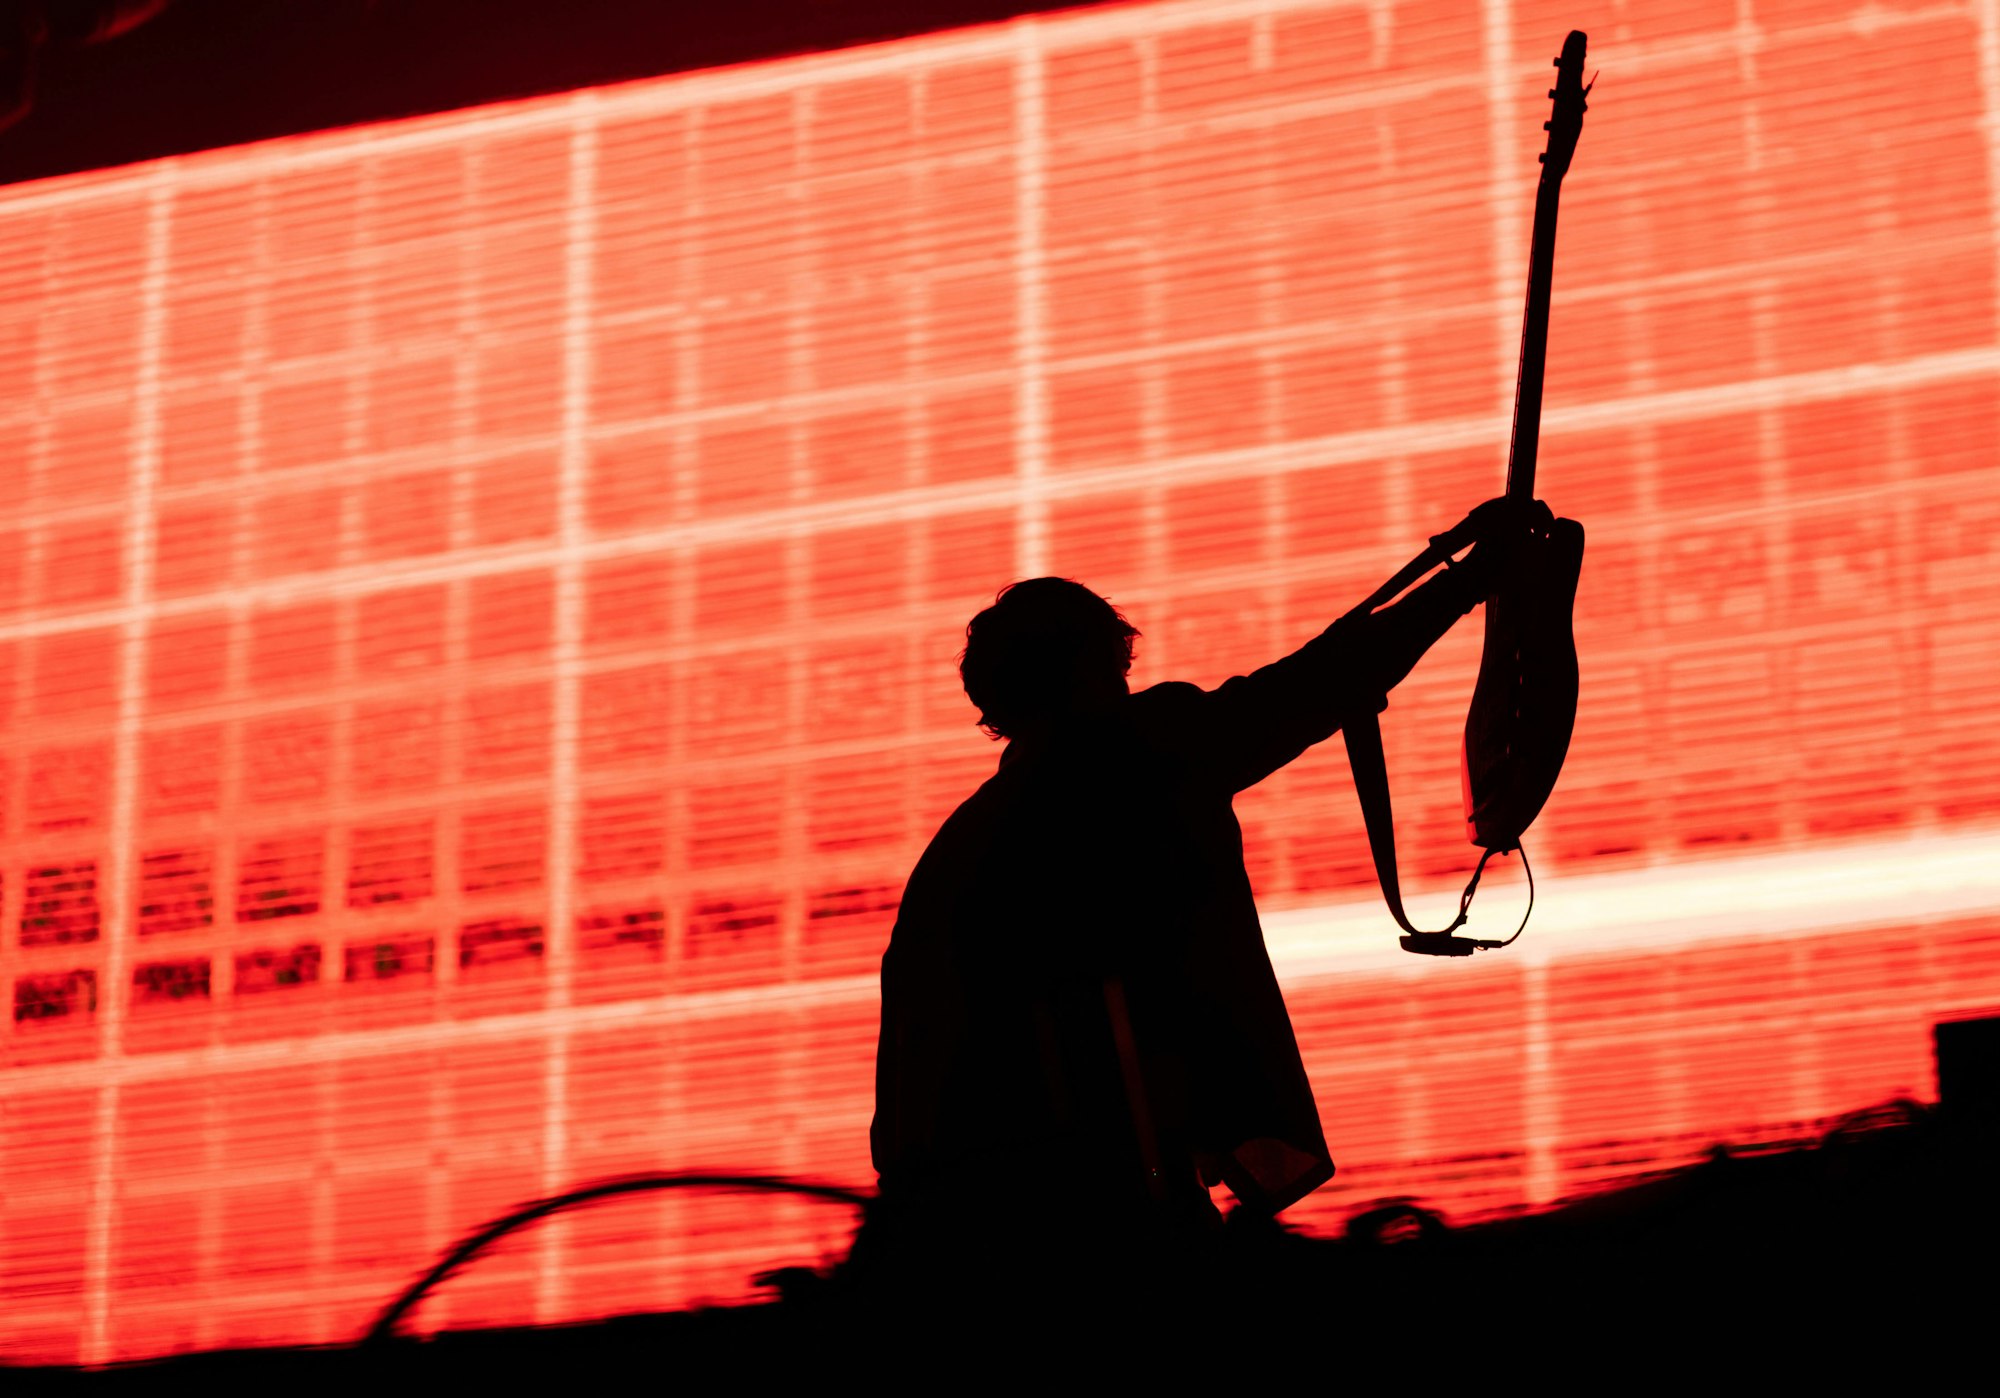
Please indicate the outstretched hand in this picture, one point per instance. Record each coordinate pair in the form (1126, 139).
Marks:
(1495, 529)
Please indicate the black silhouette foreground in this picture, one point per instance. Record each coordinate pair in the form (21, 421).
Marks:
(1081, 1033)
(1867, 1250)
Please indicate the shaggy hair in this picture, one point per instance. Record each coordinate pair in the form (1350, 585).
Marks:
(1043, 647)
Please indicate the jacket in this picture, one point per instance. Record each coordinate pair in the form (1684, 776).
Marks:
(1076, 998)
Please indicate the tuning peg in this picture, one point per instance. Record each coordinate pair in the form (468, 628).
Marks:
(1552, 92)
(1548, 126)
(1542, 159)
(1555, 63)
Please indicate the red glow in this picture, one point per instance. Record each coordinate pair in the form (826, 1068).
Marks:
(478, 599)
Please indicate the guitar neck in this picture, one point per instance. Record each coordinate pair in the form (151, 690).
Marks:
(1534, 344)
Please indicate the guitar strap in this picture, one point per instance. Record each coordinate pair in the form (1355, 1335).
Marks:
(1362, 732)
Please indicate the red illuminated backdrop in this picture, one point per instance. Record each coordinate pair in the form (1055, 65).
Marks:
(478, 602)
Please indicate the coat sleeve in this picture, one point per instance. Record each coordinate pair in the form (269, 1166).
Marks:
(1251, 725)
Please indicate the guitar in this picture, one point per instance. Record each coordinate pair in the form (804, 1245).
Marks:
(1523, 708)
(1524, 702)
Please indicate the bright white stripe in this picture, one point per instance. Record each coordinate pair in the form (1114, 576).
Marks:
(1925, 877)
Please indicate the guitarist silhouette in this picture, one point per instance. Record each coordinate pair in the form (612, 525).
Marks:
(1081, 1032)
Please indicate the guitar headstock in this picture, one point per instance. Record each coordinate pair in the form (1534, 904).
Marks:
(1565, 123)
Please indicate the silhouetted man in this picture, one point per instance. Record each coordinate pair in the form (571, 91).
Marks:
(1080, 1028)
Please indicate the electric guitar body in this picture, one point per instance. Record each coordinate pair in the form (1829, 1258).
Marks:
(1523, 709)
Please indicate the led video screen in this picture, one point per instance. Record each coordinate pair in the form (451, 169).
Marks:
(479, 603)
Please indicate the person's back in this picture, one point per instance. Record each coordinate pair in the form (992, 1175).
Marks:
(1027, 1144)
(1079, 873)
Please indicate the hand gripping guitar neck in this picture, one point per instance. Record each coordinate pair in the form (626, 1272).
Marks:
(1524, 701)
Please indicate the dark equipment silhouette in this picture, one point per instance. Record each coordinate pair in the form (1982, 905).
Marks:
(486, 1235)
(1826, 1245)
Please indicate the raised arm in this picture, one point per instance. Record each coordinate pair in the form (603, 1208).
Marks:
(1251, 725)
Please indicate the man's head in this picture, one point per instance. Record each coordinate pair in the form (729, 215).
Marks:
(1045, 648)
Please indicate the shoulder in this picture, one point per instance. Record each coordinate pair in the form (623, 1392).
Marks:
(954, 846)
(1169, 697)
(1162, 708)
(1173, 720)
